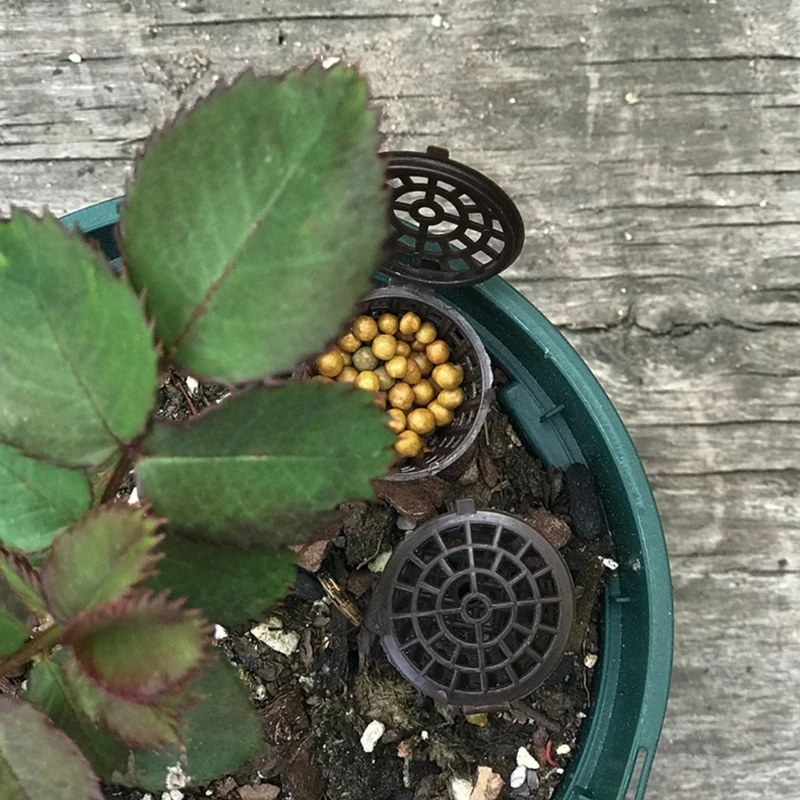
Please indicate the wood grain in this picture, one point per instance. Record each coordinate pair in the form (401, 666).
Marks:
(653, 148)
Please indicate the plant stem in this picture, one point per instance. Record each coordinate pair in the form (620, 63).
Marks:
(181, 384)
(40, 643)
(118, 476)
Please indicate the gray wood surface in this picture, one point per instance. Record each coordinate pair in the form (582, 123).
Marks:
(653, 148)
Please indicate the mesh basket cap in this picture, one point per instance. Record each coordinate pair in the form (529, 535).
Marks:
(474, 608)
(452, 226)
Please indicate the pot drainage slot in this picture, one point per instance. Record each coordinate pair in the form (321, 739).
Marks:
(474, 608)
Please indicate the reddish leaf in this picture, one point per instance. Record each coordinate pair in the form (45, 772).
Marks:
(22, 579)
(48, 689)
(99, 559)
(149, 726)
(140, 647)
(38, 761)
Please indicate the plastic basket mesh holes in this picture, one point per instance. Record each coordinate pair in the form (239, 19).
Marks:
(476, 609)
(452, 225)
(448, 444)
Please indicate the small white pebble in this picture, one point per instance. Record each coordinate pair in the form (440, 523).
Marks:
(631, 98)
(425, 735)
(763, 204)
(224, 397)
(563, 750)
(518, 777)
(298, 44)
(590, 660)
(525, 759)
(609, 563)
(436, 20)
(147, 796)
(378, 564)
(133, 497)
(371, 736)
(75, 58)
(581, 715)
(559, 771)
(220, 633)
(628, 236)
(512, 100)
(192, 384)
(260, 692)
(276, 639)
(582, 39)
(330, 61)
(176, 777)
(460, 789)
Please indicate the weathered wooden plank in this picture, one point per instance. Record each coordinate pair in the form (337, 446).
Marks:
(750, 518)
(652, 147)
(729, 733)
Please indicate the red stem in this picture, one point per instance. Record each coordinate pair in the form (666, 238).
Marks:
(118, 476)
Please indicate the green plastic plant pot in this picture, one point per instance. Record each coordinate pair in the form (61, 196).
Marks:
(566, 417)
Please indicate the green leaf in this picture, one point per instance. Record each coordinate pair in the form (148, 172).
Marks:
(38, 761)
(49, 690)
(263, 466)
(37, 500)
(13, 632)
(77, 363)
(227, 585)
(136, 725)
(255, 221)
(16, 618)
(20, 578)
(140, 647)
(218, 735)
(98, 559)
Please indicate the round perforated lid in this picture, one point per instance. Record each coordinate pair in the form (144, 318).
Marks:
(452, 226)
(474, 608)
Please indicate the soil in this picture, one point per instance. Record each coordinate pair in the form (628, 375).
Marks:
(316, 702)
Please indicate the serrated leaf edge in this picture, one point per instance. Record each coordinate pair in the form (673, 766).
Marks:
(167, 610)
(185, 110)
(148, 566)
(101, 263)
(20, 566)
(173, 717)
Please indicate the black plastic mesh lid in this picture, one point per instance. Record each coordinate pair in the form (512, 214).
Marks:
(474, 608)
(452, 225)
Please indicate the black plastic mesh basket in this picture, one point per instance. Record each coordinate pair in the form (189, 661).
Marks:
(474, 608)
(451, 226)
(447, 444)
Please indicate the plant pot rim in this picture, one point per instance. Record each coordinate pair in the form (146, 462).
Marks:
(567, 417)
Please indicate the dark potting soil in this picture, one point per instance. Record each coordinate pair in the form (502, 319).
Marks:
(315, 702)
